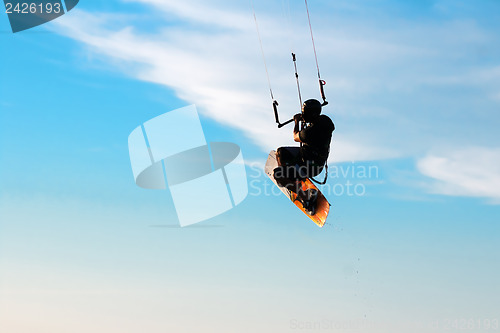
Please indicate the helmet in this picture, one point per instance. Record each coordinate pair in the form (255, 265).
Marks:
(311, 109)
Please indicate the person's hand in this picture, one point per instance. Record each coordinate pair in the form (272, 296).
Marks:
(297, 117)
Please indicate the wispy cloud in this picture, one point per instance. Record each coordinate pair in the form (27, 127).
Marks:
(201, 12)
(387, 82)
(471, 172)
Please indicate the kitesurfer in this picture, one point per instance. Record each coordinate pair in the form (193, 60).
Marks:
(296, 164)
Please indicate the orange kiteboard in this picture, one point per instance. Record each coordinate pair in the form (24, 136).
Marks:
(322, 205)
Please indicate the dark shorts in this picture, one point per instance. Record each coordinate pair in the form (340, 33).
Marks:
(292, 167)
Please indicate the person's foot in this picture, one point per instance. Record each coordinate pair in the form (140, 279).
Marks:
(309, 201)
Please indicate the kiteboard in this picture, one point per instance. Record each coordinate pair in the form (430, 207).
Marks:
(322, 205)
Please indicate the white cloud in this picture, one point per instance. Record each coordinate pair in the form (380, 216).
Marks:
(473, 171)
(199, 12)
(210, 57)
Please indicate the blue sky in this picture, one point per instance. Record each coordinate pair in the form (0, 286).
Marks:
(414, 90)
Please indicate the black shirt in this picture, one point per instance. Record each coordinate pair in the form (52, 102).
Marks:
(316, 139)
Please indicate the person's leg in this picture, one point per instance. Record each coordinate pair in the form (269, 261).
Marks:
(309, 196)
(287, 176)
(287, 172)
(291, 176)
(288, 156)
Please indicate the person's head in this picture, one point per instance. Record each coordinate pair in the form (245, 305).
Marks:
(311, 109)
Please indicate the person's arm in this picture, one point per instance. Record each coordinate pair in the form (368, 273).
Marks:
(296, 130)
